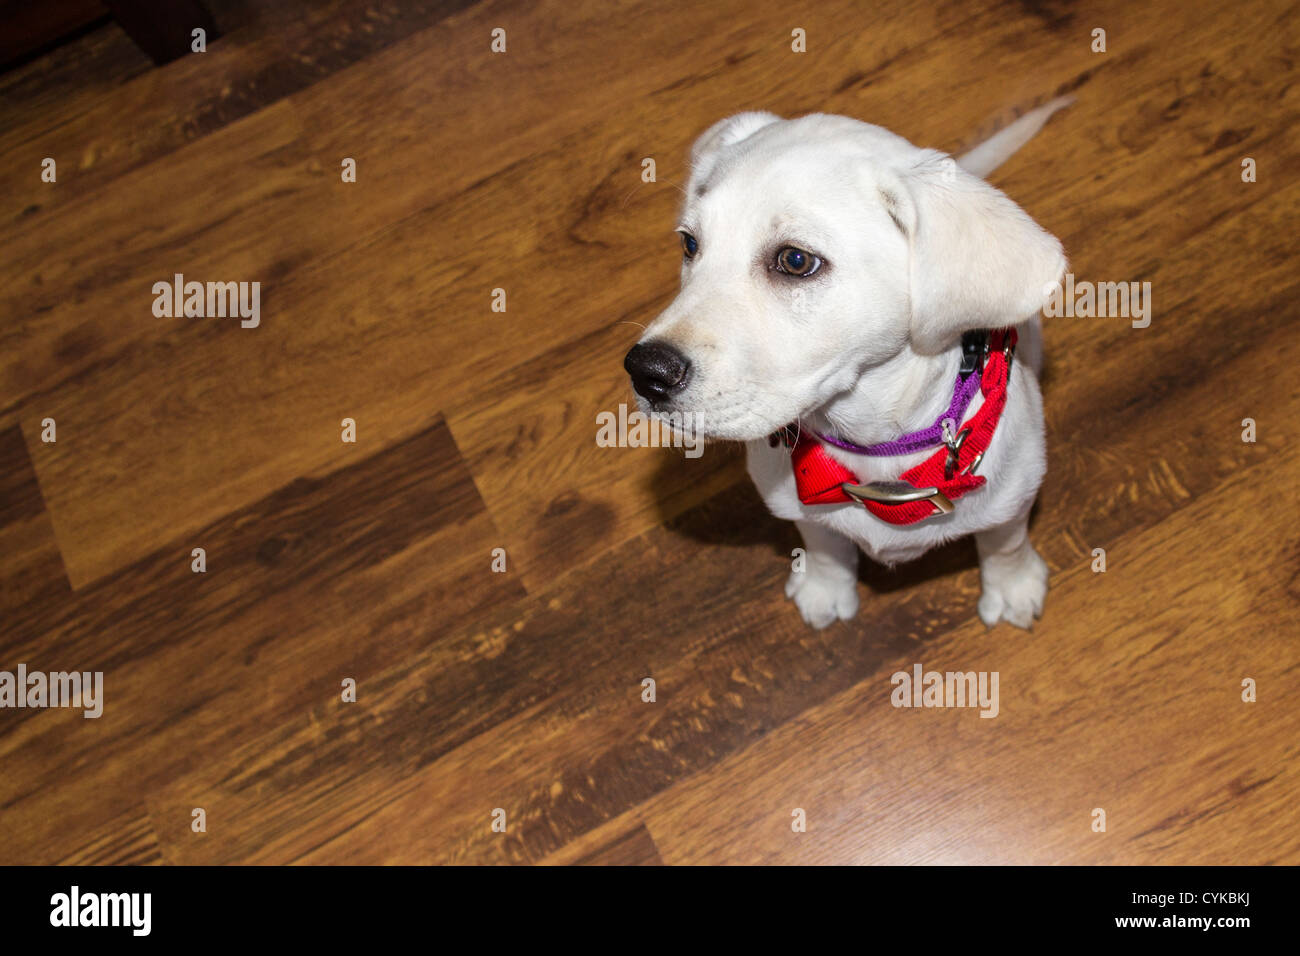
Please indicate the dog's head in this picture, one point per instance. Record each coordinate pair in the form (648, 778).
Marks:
(818, 248)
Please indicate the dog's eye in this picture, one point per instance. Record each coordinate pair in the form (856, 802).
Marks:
(689, 245)
(797, 262)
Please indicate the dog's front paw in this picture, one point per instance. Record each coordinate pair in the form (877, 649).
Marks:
(1014, 588)
(823, 598)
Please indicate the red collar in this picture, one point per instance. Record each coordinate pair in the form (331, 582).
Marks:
(928, 489)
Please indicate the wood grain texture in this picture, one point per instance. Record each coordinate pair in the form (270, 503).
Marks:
(520, 693)
(635, 848)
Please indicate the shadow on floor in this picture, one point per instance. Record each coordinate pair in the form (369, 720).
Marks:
(737, 518)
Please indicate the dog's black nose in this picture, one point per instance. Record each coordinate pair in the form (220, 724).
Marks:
(656, 369)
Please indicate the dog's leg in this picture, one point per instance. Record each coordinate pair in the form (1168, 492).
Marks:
(1013, 576)
(826, 589)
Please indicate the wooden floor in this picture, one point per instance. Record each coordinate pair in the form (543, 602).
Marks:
(476, 430)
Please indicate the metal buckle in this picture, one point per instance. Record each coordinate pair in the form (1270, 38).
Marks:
(954, 443)
(898, 493)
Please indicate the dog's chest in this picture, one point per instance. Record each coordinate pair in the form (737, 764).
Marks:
(770, 469)
(887, 543)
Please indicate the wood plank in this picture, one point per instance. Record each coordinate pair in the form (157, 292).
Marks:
(322, 580)
(108, 129)
(635, 848)
(127, 841)
(33, 567)
(29, 27)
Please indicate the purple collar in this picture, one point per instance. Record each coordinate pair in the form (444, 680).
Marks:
(962, 393)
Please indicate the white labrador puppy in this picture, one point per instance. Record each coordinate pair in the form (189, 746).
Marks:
(831, 273)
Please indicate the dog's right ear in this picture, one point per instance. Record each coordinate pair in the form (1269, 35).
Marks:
(724, 133)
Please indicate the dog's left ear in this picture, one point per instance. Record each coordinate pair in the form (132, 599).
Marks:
(978, 260)
(722, 134)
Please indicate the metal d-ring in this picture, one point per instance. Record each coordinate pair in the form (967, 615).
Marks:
(898, 493)
(954, 449)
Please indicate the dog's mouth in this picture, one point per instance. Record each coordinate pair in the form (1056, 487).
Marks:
(727, 424)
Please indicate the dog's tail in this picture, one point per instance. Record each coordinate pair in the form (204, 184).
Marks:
(1000, 147)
